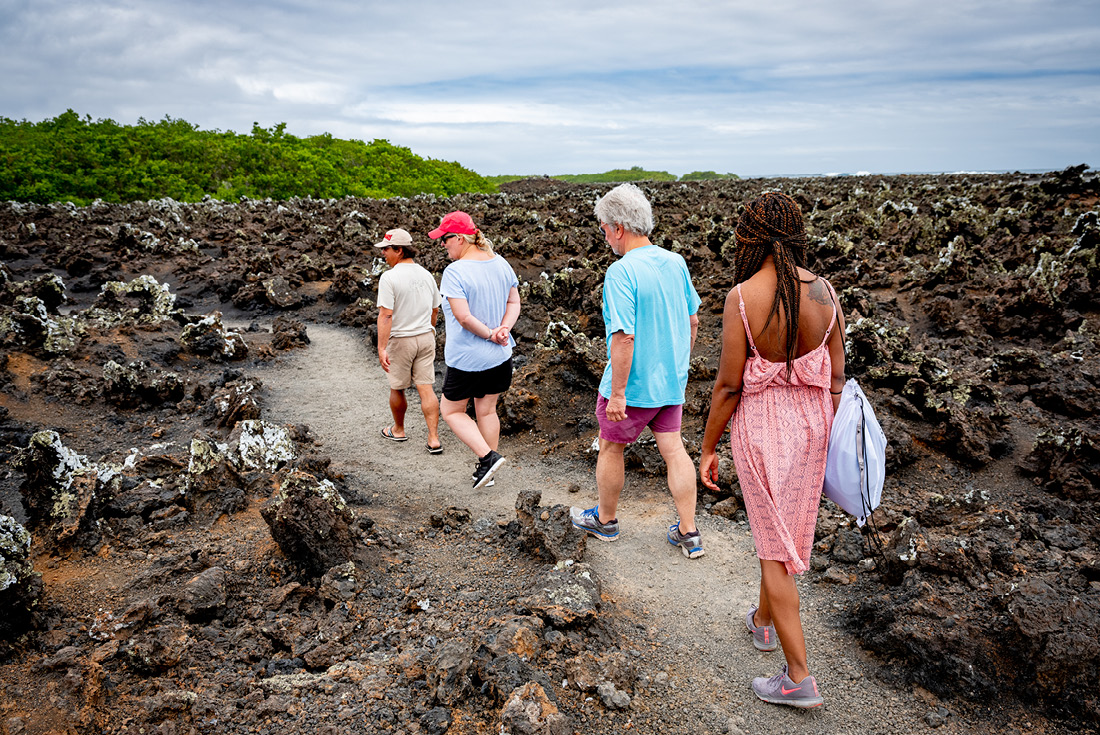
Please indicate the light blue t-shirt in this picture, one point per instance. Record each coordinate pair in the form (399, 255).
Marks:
(648, 293)
(485, 284)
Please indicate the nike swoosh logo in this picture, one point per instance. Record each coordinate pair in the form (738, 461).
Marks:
(785, 690)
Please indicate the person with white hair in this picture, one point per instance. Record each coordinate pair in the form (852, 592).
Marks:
(650, 317)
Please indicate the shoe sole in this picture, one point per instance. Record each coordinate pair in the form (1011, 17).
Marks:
(693, 554)
(799, 703)
(690, 554)
(489, 475)
(596, 534)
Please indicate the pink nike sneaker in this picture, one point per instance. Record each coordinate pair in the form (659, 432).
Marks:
(779, 689)
(763, 636)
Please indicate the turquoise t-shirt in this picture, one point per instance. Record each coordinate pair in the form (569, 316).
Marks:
(485, 284)
(648, 293)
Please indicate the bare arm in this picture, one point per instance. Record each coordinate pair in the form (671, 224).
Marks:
(726, 394)
(694, 330)
(461, 310)
(435, 315)
(385, 323)
(836, 356)
(622, 357)
(511, 314)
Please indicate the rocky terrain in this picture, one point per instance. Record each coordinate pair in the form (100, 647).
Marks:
(171, 560)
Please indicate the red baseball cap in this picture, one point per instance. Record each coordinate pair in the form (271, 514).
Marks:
(459, 223)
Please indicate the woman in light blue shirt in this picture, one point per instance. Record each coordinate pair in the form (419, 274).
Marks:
(481, 305)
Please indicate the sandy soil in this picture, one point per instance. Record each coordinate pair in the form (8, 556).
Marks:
(693, 608)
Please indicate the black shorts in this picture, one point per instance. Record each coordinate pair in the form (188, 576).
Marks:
(458, 385)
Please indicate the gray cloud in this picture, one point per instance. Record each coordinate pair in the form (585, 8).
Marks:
(792, 87)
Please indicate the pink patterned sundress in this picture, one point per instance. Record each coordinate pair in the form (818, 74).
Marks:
(779, 437)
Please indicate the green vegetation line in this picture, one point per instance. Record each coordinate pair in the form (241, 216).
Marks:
(69, 158)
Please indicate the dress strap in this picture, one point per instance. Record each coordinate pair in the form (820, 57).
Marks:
(745, 319)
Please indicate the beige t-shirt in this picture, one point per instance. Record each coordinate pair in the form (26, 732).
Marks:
(410, 290)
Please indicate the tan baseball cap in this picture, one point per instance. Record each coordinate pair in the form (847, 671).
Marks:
(395, 238)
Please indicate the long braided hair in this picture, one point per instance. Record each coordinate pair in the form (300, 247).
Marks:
(772, 225)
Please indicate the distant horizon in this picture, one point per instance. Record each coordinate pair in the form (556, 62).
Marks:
(837, 174)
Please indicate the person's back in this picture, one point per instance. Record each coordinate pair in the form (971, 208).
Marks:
(815, 314)
(781, 418)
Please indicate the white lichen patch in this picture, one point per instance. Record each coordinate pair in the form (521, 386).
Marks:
(68, 463)
(323, 489)
(15, 547)
(263, 446)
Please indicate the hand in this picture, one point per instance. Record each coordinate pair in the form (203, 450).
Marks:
(616, 408)
(500, 335)
(384, 359)
(708, 469)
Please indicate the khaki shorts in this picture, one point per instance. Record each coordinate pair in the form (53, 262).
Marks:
(412, 360)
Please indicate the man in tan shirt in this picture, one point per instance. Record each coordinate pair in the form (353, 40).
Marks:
(408, 305)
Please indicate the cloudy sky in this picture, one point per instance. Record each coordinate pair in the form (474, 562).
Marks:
(577, 86)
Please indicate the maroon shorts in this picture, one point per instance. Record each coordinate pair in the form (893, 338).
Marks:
(660, 420)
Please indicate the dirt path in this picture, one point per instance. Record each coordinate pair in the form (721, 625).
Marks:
(696, 606)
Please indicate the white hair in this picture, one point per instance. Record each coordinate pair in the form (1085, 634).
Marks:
(626, 205)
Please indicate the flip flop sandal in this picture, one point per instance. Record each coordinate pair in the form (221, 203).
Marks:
(434, 450)
(388, 434)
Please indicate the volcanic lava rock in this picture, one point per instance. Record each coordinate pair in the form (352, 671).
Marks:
(142, 302)
(449, 675)
(529, 711)
(236, 401)
(204, 594)
(59, 483)
(27, 323)
(547, 532)
(566, 594)
(130, 385)
(65, 380)
(281, 294)
(261, 445)
(288, 333)
(20, 585)
(311, 523)
(209, 337)
(1066, 462)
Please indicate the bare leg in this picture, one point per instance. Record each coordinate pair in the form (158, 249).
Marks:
(610, 476)
(681, 477)
(398, 406)
(462, 426)
(779, 589)
(488, 423)
(429, 404)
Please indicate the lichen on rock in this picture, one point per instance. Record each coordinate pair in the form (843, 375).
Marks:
(142, 301)
(20, 585)
(260, 445)
(208, 336)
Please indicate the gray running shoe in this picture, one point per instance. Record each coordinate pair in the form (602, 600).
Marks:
(763, 636)
(779, 689)
(589, 520)
(690, 544)
(486, 466)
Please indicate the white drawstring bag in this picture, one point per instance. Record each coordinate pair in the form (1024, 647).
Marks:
(856, 467)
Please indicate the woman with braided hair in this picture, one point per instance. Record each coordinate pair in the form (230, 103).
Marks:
(779, 379)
